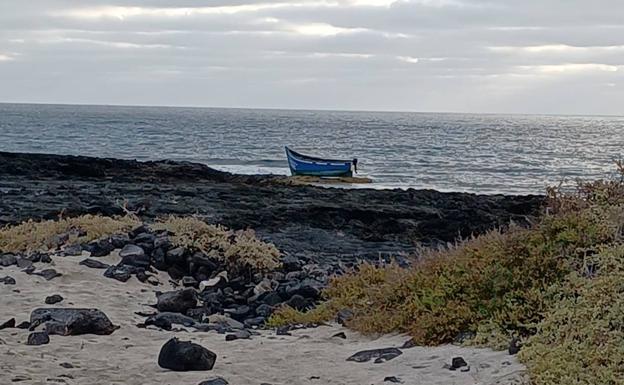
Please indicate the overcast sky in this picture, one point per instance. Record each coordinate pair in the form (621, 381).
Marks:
(530, 56)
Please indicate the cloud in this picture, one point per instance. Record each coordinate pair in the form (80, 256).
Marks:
(460, 55)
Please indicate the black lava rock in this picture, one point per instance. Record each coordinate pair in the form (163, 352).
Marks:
(380, 355)
(23, 325)
(185, 356)
(48, 274)
(94, 264)
(8, 324)
(457, 362)
(73, 321)
(100, 248)
(238, 335)
(514, 346)
(72, 250)
(120, 272)
(8, 280)
(343, 316)
(392, 379)
(55, 298)
(134, 255)
(166, 319)
(8, 259)
(38, 338)
(178, 301)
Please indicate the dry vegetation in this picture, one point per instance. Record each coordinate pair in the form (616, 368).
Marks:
(557, 286)
(240, 250)
(40, 236)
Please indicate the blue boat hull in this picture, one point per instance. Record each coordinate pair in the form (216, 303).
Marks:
(306, 165)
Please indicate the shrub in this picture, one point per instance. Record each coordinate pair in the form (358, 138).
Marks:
(240, 250)
(40, 236)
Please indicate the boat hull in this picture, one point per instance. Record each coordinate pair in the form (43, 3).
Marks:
(306, 165)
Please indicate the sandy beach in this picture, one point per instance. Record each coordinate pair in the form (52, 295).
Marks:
(129, 355)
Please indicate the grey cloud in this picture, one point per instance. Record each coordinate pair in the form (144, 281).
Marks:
(463, 55)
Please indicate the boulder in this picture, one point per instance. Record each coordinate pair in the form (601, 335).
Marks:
(100, 248)
(175, 256)
(72, 250)
(185, 356)
(457, 362)
(120, 272)
(134, 255)
(238, 335)
(74, 321)
(38, 338)
(8, 259)
(177, 301)
(55, 298)
(119, 240)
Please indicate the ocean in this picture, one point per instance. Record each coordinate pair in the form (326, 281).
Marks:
(479, 153)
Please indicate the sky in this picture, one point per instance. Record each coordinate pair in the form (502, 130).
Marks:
(481, 56)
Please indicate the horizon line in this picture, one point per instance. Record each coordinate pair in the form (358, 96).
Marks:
(308, 109)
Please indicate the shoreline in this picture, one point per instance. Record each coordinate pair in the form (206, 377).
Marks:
(305, 221)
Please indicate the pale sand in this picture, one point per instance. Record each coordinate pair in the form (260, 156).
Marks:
(129, 355)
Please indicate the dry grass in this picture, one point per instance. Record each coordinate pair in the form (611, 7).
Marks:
(40, 236)
(240, 250)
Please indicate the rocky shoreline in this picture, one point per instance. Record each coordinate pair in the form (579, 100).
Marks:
(319, 232)
(304, 221)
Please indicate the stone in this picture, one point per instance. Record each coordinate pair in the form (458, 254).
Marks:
(273, 298)
(215, 381)
(226, 321)
(343, 316)
(340, 335)
(283, 330)
(134, 255)
(142, 228)
(100, 248)
(216, 282)
(55, 298)
(8, 324)
(189, 282)
(239, 313)
(119, 240)
(254, 322)
(66, 365)
(94, 264)
(514, 346)
(308, 288)
(199, 313)
(380, 355)
(72, 250)
(393, 379)
(175, 256)
(266, 285)
(185, 356)
(38, 338)
(264, 310)
(76, 321)
(8, 259)
(297, 302)
(291, 263)
(457, 362)
(24, 263)
(8, 280)
(158, 259)
(166, 319)
(238, 335)
(23, 325)
(48, 274)
(121, 273)
(177, 301)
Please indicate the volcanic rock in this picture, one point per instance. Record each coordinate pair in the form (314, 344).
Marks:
(380, 355)
(94, 264)
(38, 338)
(75, 321)
(177, 301)
(185, 356)
(55, 298)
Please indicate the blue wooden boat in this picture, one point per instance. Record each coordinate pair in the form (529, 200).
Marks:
(308, 165)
